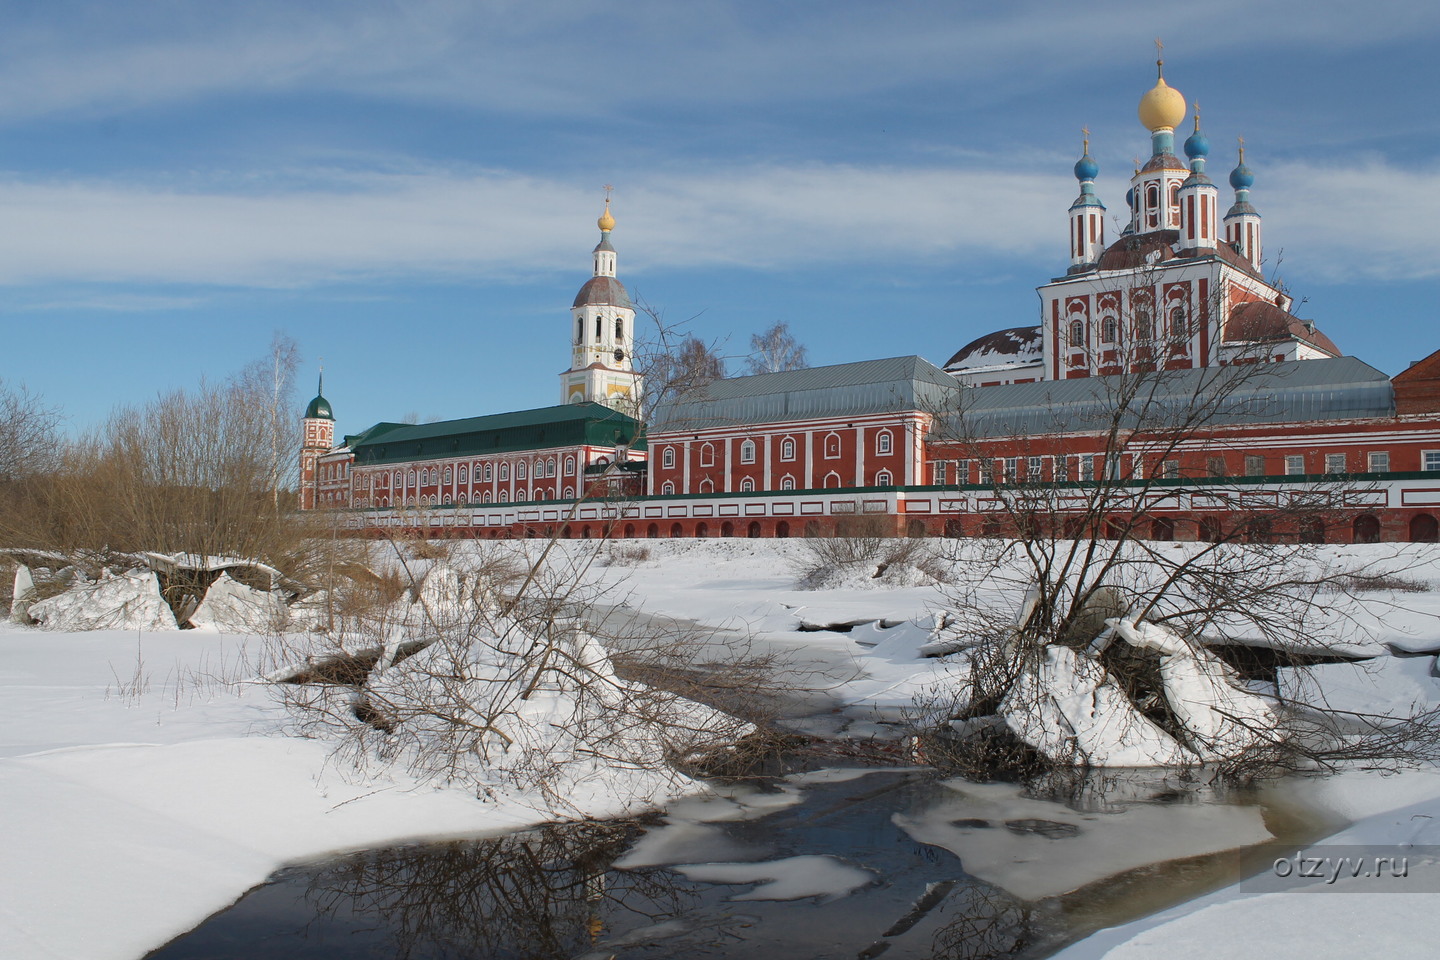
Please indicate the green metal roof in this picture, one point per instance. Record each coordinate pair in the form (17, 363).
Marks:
(570, 424)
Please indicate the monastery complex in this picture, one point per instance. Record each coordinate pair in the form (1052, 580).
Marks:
(1163, 363)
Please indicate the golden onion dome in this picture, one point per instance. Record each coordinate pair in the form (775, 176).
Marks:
(607, 222)
(1162, 106)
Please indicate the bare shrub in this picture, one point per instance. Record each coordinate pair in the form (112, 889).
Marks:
(865, 545)
(512, 678)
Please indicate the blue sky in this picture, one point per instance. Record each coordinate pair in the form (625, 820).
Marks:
(410, 189)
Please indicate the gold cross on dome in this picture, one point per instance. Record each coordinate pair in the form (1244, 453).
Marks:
(608, 188)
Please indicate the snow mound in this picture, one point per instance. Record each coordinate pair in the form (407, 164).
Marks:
(1068, 709)
(128, 601)
(232, 607)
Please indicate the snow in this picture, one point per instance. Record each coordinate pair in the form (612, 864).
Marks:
(233, 607)
(144, 787)
(1007, 839)
(793, 878)
(126, 601)
(1066, 708)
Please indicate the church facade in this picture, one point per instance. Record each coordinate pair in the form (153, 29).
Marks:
(1177, 306)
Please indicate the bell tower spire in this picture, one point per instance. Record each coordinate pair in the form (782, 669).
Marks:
(602, 333)
(1087, 214)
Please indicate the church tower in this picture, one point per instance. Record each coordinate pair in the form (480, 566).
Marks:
(602, 333)
(318, 436)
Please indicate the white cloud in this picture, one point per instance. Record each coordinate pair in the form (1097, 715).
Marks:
(1343, 223)
(569, 57)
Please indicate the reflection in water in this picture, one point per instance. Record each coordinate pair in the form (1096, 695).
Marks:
(540, 894)
(557, 894)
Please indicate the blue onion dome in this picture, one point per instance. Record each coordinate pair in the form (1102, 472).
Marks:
(1197, 145)
(1130, 197)
(1086, 168)
(1241, 178)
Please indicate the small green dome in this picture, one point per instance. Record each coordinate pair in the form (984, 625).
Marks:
(319, 409)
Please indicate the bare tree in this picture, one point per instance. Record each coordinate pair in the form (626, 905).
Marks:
(673, 362)
(1076, 500)
(776, 350)
(274, 379)
(29, 438)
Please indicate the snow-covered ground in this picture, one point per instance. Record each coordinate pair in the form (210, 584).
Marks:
(142, 788)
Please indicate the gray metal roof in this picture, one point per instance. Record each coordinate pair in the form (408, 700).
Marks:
(843, 390)
(1341, 388)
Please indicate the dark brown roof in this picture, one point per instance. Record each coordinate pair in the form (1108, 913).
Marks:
(1131, 252)
(1261, 321)
(606, 290)
(1017, 344)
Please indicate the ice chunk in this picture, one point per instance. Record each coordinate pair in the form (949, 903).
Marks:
(1033, 864)
(232, 607)
(793, 878)
(1069, 710)
(686, 842)
(130, 601)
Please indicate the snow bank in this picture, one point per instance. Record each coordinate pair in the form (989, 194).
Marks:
(1070, 711)
(128, 601)
(232, 607)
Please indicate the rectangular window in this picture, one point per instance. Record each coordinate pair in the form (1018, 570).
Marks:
(1012, 469)
(1215, 466)
(1137, 467)
(962, 471)
(1087, 468)
(1035, 469)
(1062, 469)
(1378, 461)
(1112, 466)
(987, 473)
(1254, 466)
(1171, 469)
(1335, 463)
(1294, 465)
(1430, 460)
(940, 471)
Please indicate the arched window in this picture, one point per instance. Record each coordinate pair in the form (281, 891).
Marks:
(550, 467)
(448, 475)
(667, 458)
(706, 486)
(883, 478)
(787, 482)
(787, 449)
(832, 446)
(1367, 528)
(521, 469)
(569, 492)
(667, 488)
(1152, 205)
(1174, 202)
(580, 330)
(504, 471)
(485, 496)
(598, 322)
(519, 496)
(464, 474)
(619, 330)
(1424, 528)
(882, 442)
(411, 477)
(1108, 330)
(832, 480)
(504, 496)
(569, 466)
(1077, 333)
(747, 485)
(397, 478)
(1144, 329)
(1179, 321)
(487, 471)
(747, 451)
(707, 455)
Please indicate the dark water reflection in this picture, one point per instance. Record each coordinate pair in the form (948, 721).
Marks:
(555, 894)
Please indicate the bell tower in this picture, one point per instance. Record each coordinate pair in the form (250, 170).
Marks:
(602, 334)
(317, 429)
